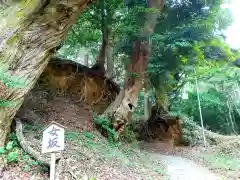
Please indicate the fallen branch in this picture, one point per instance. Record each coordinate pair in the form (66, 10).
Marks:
(37, 155)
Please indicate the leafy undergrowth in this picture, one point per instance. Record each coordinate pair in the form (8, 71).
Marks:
(223, 161)
(18, 164)
(222, 154)
(88, 153)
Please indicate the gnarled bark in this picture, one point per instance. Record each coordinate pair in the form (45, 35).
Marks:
(133, 85)
(136, 71)
(28, 37)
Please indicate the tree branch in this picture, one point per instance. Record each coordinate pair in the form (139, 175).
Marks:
(37, 155)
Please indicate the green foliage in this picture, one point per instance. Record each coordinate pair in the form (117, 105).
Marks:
(215, 110)
(186, 36)
(88, 31)
(190, 135)
(223, 161)
(29, 162)
(10, 152)
(104, 123)
(129, 135)
(125, 155)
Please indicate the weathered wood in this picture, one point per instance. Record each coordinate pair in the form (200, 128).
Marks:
(52, 166)
(136, 70)
(28, 36)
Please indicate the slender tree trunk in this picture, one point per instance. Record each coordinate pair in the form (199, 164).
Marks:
(30, 33)
(86, 60)
(102, 53)
(103, 50)
(231, 117)
(110, 61)
(136, 71)
(162, 99)
(147, 105)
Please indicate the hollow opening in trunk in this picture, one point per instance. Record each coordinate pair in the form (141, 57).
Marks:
(130, 106)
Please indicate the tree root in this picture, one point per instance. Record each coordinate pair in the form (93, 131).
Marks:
(62, 167)
(36, 155)
(161, 126)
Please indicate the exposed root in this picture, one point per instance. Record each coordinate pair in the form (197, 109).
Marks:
(36, 155)
(85, 85)
(161, 127)
(64, 170)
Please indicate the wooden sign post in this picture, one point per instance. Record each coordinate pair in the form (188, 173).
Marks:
(53, 141)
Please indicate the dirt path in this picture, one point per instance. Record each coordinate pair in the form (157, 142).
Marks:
(178, 167)
(182, 169)
(93, 151)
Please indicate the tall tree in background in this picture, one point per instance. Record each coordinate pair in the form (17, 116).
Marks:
(179, 33)
(94, 31)
(183, 36)
(102, 14)
(29, 33)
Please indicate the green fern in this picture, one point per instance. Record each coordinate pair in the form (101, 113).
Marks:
(112, 135)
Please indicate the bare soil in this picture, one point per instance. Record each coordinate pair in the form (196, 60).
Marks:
(88, 153)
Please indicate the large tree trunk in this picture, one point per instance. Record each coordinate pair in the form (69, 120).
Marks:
(28, 36)
(133, 85)
(124, 105)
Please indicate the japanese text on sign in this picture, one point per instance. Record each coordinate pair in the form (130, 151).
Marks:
(53, 139)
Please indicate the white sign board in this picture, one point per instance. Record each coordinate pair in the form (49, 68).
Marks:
(53, 138)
